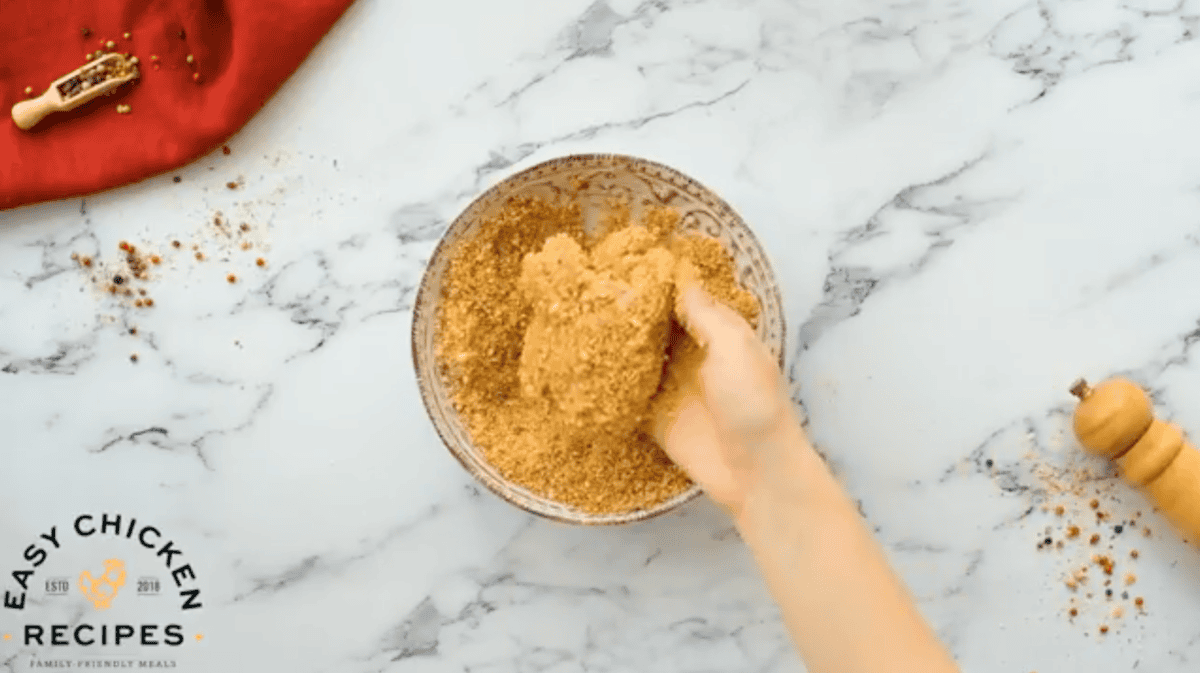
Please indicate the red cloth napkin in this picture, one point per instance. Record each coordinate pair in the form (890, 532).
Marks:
(242, 49)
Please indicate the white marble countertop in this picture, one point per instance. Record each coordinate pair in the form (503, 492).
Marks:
(968, 205)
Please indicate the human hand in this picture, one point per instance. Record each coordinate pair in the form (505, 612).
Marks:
(729, 403)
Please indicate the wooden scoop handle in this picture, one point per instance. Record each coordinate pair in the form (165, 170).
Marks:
(27, 113)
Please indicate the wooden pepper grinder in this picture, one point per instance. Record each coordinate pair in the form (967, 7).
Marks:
(1115, 420)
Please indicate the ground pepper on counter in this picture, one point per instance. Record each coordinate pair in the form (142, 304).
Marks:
(553, 341)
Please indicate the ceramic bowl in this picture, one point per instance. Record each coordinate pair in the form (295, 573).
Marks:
(643, 183)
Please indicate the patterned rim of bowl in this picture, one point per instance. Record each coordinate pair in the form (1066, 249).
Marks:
(433, 393)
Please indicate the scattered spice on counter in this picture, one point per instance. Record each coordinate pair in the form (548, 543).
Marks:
(176, 179)
(225, 149)
(133, 358)
(1103, 628)
(1140, 602)
(538, 330)
(1133, 553)
(231, 185)
(231, 278)
(1095, 538)
(260, 261)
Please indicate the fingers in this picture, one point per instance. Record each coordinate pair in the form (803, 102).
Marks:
(709, 321)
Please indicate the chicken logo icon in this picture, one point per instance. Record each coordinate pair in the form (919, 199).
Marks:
(103, 589)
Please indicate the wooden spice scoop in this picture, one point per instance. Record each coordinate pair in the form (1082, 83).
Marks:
(1115, 420)
(70, 91)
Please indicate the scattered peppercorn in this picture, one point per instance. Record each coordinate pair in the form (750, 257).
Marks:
(1118, 529)
(988, 462)
(200, 256)
(177, 178)
(225, 149)
(1125, 595)
(1060, 510)
(142, 292)
(1095, 538)
(231, 185)
(176, 243)
(118, 279)
(133, 331)
(1074, 612)
(85, 32)
(1146, 531)
(246, 245)
(86, 261)
(1133, 553)
(244, 227)
(231, 278)
(1094, 503)
(1047, 541)
(149, 301)
(260, 261)
(1073, 531)
(1103, 628)
(1108, 592)
(138, 303)
(155, 259)
(1138, 601)
(133, 358)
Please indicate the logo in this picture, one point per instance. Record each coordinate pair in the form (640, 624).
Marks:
(102, 590)
(137, 595)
